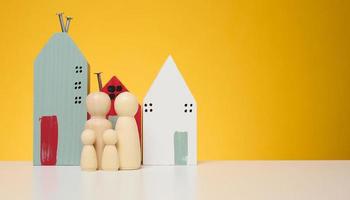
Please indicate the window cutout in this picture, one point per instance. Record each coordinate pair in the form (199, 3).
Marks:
(77, 85)
(188, 107)
(149, 106)
(77, 99)
(78, 69)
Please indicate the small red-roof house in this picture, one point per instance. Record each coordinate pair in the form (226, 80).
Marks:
(113, 88)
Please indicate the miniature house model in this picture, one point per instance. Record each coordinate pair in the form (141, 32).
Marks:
(169, 120)
(60, 89)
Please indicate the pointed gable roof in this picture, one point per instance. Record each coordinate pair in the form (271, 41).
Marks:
(62, 43)
(169, 83)
(113, 82)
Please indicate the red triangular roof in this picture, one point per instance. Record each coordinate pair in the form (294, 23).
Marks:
(115, 82)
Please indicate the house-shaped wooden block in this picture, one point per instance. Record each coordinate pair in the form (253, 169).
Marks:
(60, 89)
(169, 120)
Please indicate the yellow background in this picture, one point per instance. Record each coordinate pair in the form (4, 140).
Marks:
(271, 78)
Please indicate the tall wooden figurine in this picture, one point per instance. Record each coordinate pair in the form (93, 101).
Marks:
(98, 104)
(60, 88)
(128, 138)
(113, 88)
(169, 120)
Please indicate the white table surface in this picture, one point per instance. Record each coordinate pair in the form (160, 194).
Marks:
(215, 180)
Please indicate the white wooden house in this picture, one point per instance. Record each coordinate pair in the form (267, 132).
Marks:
(169, 120)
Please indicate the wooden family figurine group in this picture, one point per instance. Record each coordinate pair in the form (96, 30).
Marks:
(103, 147)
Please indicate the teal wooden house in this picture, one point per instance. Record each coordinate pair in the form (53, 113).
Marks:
(61, 82)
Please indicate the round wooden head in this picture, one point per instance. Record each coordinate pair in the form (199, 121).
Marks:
(98, 104)
(126, 104)
(110, 136)
(88, 137)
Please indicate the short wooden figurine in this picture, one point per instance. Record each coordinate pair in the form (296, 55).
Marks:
(128, 137)
(98, 104)
(110, 159)
(88, 159)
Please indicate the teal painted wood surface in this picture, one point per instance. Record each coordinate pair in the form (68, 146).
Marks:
(113, 120)
(60, 88)
(180, 148)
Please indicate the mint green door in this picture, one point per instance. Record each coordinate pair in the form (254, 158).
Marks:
(180, 148)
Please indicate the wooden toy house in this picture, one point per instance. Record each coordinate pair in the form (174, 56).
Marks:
(169, 120)
(60, 87)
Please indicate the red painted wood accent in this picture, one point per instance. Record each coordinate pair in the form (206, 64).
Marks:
(139, 123)
(114, 81)
(49, 140)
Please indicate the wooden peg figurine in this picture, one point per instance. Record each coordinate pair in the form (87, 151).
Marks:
(110, 159)
(88, 159)
(128, 137)
(98, 105)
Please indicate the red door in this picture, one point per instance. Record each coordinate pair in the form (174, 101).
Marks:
(49, 140)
